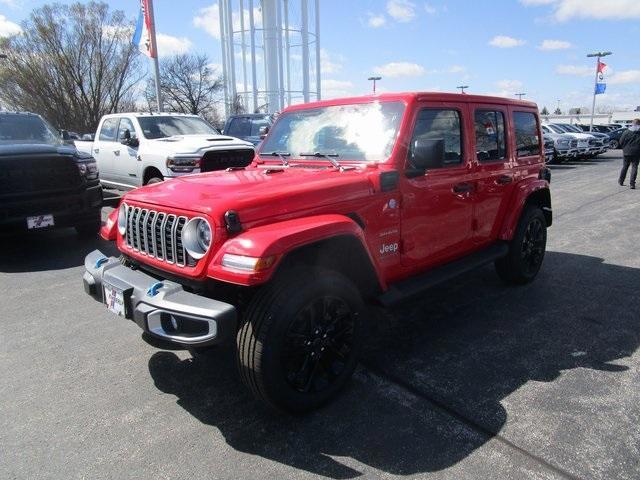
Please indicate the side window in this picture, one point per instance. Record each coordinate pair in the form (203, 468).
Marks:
(257, 124)
(125, 124)
(526, 128)
(108, 130)
(490, 135)
(434, 124)
(239, 127)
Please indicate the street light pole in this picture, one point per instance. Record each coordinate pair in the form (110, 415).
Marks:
(374, 79)
(598, 56)
(520, 95)
(462, 88)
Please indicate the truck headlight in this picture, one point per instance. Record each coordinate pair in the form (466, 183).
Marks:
(183, 163)
(89, 170)
(562, 142)
(197, 237)
(123, 214)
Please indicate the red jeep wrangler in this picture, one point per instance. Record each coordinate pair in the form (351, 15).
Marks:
(347, 201)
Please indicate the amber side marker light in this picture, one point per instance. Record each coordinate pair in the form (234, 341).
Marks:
(250, 264)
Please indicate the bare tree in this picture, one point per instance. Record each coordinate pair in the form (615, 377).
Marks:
(188, 84)
(72, 64)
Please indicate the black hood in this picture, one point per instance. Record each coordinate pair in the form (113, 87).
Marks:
(39, 149)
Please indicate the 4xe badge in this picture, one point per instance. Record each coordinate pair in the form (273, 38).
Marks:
(389, 248)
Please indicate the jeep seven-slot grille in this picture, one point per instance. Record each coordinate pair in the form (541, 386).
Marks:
(158, 235)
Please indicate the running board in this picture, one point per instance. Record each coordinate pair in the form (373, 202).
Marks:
(410, 287)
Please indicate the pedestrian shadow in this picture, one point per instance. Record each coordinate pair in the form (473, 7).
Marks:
(48, 250)
(435, 371)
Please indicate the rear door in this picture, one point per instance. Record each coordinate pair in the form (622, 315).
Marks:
(104, 147)
(437, 207)
(493, 167)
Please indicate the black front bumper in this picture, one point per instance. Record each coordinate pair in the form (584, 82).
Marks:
(68, 208)
(161, 308)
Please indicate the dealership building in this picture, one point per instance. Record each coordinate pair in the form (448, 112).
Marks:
(624, 118)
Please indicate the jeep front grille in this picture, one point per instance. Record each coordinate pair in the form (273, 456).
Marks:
(157, 235)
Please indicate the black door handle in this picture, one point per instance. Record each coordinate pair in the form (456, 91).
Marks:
(504, 179)
(463, 187)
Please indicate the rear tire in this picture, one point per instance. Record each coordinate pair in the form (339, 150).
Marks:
(300, 339)
(526, 249)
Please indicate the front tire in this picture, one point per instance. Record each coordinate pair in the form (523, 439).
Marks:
(526, 249)
(300, 339)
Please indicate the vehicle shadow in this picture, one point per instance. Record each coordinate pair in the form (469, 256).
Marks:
(435, 371)
(47, 250)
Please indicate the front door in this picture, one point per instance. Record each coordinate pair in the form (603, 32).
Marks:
(493, 168)
(126, 162)
(104, 147)
(437, 207)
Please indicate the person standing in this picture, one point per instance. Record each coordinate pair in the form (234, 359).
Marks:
(630, 144)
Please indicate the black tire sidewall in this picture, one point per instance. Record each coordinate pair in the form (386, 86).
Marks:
(299, 290)
(516, 261)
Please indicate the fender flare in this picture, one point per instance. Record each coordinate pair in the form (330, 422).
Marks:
(279, 239)
(109, 229)
(521, 195)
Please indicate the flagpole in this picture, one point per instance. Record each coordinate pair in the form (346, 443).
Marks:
(154, 57)
(598, 56)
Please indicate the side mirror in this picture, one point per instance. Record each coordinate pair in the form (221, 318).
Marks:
(425, 154)
(263, 131)
(65, 135)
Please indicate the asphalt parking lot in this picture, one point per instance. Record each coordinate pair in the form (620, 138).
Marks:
(475, 380)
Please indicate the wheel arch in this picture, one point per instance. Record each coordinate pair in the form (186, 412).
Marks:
(535, 193)
(150, 171)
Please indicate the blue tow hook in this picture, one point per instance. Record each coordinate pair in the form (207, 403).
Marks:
(101, 261)
(153, 289)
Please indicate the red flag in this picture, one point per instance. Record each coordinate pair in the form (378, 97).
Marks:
(601, 66)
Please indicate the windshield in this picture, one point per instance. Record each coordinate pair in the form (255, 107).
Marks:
(16, 128)
(162, 126)
(572, 128)
(364, 132)
(556, 129)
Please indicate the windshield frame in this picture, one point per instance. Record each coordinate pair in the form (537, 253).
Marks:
(141, 118)
(295, 157)
(55, 140)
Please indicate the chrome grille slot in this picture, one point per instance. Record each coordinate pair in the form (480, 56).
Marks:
(158, 235)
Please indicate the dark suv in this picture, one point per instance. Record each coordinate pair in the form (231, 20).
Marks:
(250, 127)
(43, 182)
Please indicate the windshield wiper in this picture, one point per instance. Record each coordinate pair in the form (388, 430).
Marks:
(329, 156)
(281, 155)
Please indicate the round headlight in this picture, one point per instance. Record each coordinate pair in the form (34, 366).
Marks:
(197, 237)
(122, 219)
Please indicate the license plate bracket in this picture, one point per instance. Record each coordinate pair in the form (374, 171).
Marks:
(117, 300)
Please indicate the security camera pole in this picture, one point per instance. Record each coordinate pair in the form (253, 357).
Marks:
(596, 89)
(374, 79)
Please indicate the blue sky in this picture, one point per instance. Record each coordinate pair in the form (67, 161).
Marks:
(496, 47)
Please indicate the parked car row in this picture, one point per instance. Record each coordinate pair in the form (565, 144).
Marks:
(572, 142)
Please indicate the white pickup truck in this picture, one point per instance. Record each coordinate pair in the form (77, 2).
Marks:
(135, 149)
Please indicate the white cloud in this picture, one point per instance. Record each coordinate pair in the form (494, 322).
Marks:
(564, 10)
(401, 10)
(328, 64)
(576, 70)
(208, 19)
(376, 21)
(430, 9)
(8, 28)
(456, 69)
(336, 88)
(503, 41)
(535, 3)
(625, 76)
(509, 85)
(554, 45)
(169, 45)
(400, 69)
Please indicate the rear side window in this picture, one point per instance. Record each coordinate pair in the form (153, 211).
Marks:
(239, 127)
(526, 128)
(108, 130)
(490, 135)
(433, 124)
